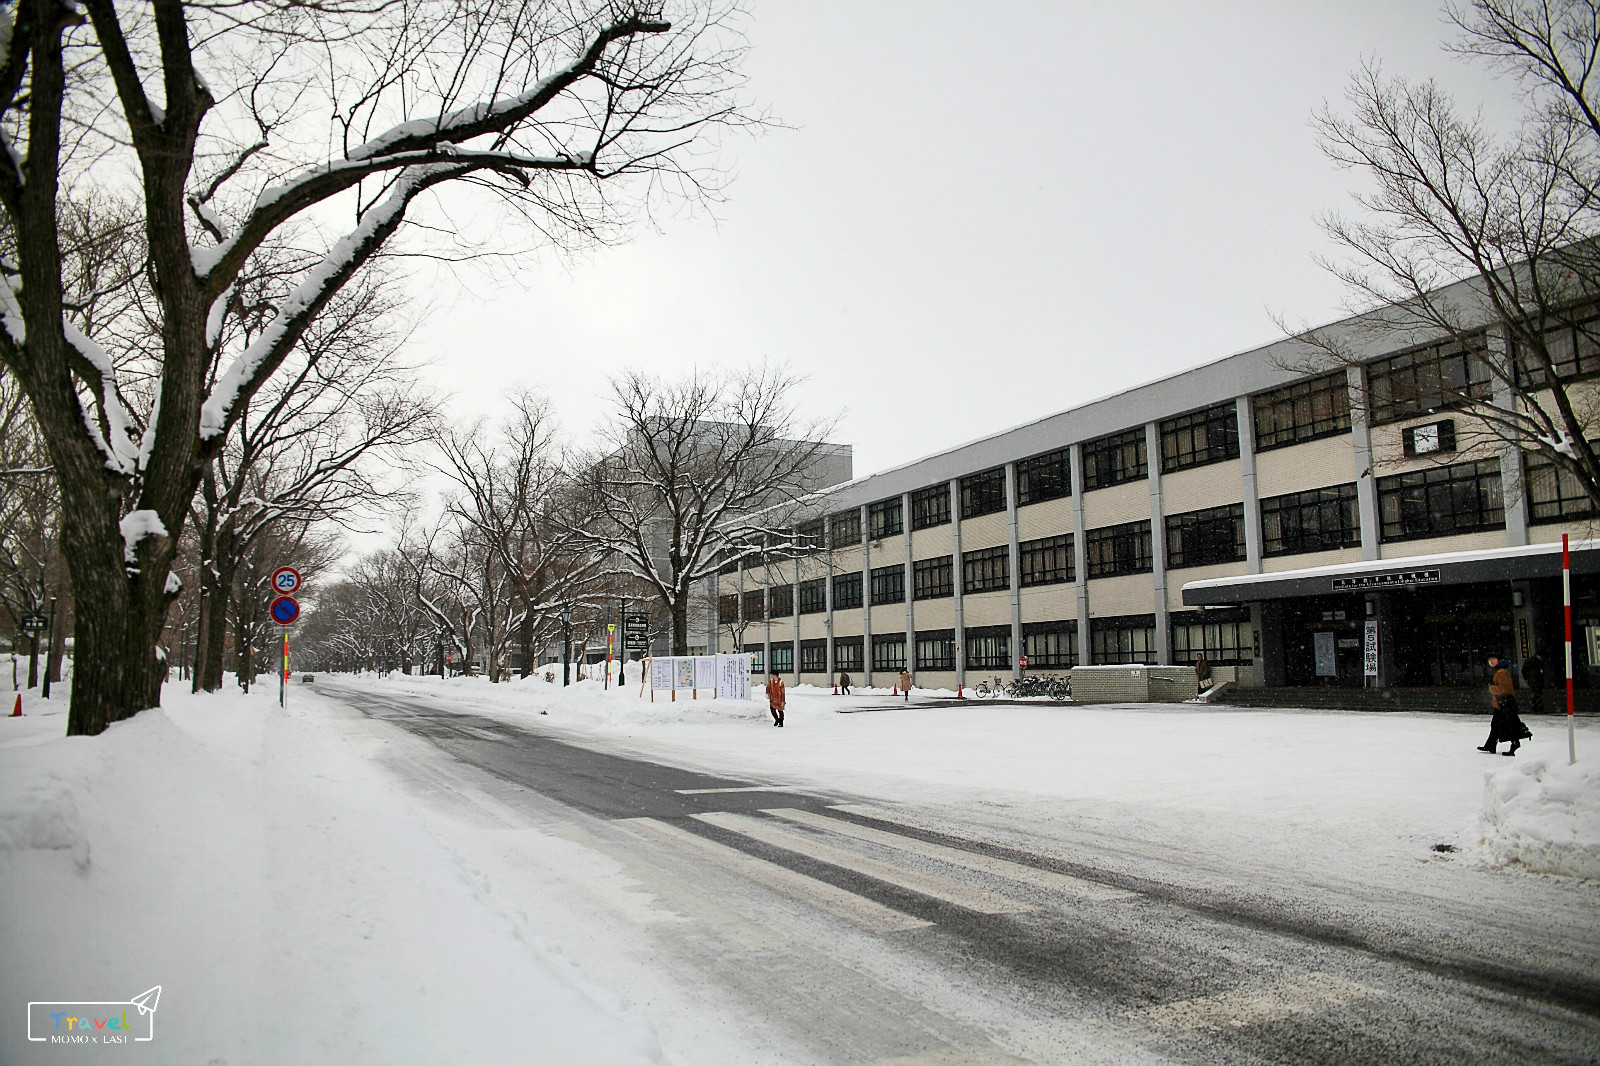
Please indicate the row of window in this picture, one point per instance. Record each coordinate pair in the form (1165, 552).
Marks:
(1225, 638)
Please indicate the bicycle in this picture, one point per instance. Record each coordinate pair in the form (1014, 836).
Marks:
(990, 689)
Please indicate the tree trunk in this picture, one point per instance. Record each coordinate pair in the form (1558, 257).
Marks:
(216, 586)
(33, 661)
(680, 624)
(58, 645)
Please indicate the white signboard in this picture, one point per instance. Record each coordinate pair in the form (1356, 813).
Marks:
(682, 673)
(733, 677)
(1369, 651)
(705, 671)
(1322, 644)
(661, 674)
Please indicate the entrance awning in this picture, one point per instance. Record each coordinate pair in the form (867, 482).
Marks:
(1415, 571)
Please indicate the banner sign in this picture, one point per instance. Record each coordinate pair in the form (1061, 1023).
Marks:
(1369, 651)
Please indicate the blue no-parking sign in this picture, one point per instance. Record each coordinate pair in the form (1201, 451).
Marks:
(285, 610)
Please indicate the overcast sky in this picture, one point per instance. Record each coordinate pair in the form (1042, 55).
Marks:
(975, 220)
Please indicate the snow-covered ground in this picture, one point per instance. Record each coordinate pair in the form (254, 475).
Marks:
(288, 893)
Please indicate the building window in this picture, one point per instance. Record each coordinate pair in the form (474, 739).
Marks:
(814, 656)
(727, 609)
(1554, 492)
(1573, 346)
(757, 663)
(1044, 477)
(783, 658)
(931, 578)
(988, 647)
(729, 567)
(1202, 538)
(813, 596)
(1313, 521)
(1047, 561)
(1050, 645)
(884, 519)
(930, 507)
(936, 650)
(1122, 640)
(846, 528)
(1430, 438)
(889, 652)
(986, 569)
(1425, 380)
(1224, 636)
(888, 585)
(846, 591)
(1303, 411)
(847, 654)
(1440, 501)
(1114, 459)
(983, 493)
(808, 537)
(753, 607)
(1200, 437)
(781, 598)
(1124, 549)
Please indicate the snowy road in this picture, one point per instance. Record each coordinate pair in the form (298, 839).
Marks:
(772, 920)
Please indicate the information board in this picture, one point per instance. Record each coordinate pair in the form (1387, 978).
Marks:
(661, 674)
(705, 672)
(733, 677)
(1322, 645)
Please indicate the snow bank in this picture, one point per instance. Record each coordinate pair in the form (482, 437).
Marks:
(1544, 815)
(278, 886)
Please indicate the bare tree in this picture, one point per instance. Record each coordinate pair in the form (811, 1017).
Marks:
(213, 107)
(1483, 243)
(695, 474)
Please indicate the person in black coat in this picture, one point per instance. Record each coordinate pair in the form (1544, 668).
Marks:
(1505, 725)
(1533, 678)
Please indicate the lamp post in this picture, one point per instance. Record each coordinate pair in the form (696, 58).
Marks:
(566, 646)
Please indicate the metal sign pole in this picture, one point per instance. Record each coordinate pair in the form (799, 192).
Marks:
(1566, 603)
(49, 649)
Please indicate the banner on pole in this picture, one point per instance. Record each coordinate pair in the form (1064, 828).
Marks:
(1369, 651)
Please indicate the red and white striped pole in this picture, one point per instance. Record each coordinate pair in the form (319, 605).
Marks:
(1566, 606)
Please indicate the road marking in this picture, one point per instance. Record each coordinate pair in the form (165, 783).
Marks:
(864, 912)
(769, 832)
(1240, 1007)
(1013, 871)
(721, 791)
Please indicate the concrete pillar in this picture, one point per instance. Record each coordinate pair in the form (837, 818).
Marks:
(794, 597)
(957, 571)
(1080, 556)
(1158, 541)
(739, 625)
(766, 617)
(1247, 478)
(866, 599)
(1366, 476)
(1512, 490)
(911, 598)
(1015, 569)
(827, 595)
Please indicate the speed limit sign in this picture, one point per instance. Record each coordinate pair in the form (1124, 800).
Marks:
(285, 580)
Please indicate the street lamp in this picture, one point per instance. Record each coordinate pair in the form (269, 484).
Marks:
(566, 646)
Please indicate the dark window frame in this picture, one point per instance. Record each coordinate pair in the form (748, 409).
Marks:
(1041, 478)
(1126, 548)
(930, 507)
(814, 656)
(1115, 459)
(986, 569)
(847, 591)
(1316, 520)
(886, 518)
(1435, 377)
(1554, 494)
(884, 655)
(987, 647)
(1199, 438)
(888, 584)
(754, 605)
(1207, 537)
(844, 528)
(936, 649)
(780, 600)
(1225, 636)
(1106, 640)
(1047, 561)
(1051, 645)
(1441, 501)
(812, 596)
(782, 657)
(1302, 411)
(933, 579)
(847, 652)
(983, 493)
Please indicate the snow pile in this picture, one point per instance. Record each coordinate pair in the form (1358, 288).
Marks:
(1544, 815)
(279, 887)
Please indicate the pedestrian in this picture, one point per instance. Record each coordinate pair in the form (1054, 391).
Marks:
(775, 698)
(905, 684)
(844, 683)
(1533, 677)
(1202, 671)
(1505, 725)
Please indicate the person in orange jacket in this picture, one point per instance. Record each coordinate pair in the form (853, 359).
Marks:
(1506, 724)
(776, 698)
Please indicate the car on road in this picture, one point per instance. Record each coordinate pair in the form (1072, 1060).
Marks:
(306, 679)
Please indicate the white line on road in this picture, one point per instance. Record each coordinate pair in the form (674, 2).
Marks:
(1240, 1007)
(769, 832)
(864, 912)
(721, 791)
(1013, 871)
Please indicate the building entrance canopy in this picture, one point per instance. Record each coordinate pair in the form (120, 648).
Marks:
(1411, 572)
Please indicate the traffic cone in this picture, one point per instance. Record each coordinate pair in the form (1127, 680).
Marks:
(896, 691)
(836, 689)
(959, 696)
(16, 712)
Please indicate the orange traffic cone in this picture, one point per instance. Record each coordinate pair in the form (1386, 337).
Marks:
(896, 691)
(959, 696)
(16, 712)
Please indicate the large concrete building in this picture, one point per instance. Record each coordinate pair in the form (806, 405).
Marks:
(1243, 509)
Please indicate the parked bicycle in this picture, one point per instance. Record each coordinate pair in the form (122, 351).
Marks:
(1057, 688)
(992, 688)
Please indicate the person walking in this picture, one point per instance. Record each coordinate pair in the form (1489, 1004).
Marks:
(1505, 725)
(844, 683)
(776, 698)
(1533, 677)
(1202, 671)
(905, 684)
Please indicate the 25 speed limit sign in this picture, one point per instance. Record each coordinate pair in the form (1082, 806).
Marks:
(285, 580)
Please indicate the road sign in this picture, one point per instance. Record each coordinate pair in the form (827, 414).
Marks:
(285, 610)
(33, 623)
(285, 580)
(635, 623)
(1022, 661)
